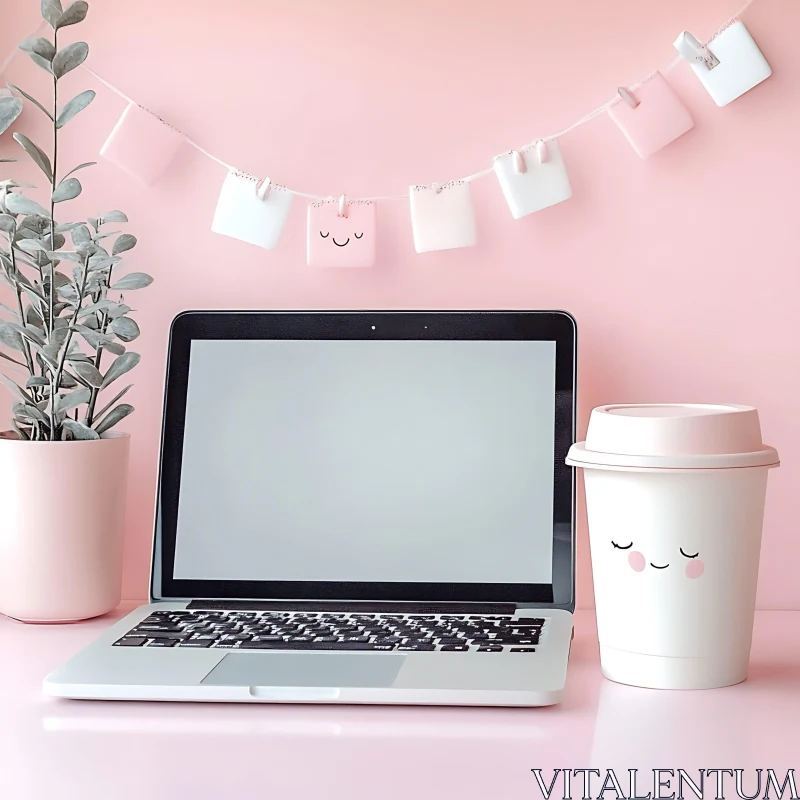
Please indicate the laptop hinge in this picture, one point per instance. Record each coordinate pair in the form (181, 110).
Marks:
(354, 607)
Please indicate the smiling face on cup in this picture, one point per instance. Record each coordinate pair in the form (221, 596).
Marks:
(688, 561)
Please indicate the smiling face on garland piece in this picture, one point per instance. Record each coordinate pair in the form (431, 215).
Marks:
(341, 240)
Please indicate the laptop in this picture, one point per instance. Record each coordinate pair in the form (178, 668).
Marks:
(356, 507)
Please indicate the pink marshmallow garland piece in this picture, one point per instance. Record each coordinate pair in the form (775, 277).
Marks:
(658, 119)
(141, 144)
(341, 241)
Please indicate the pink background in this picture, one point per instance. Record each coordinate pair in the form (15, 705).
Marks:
(681, 270)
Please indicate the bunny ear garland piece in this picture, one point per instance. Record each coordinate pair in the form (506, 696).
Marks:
(543, 183)
(729, 66)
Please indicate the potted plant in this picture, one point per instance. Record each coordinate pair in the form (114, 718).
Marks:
(63, 338)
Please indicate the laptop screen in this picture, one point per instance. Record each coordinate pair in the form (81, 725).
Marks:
(375, 461)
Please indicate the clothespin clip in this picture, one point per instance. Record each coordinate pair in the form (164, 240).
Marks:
(263, 187)
(694, 50)
(519, 162)
(342, 205)
(543, 151)
(628, 97)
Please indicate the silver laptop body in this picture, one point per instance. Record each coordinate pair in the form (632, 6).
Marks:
(356, 507)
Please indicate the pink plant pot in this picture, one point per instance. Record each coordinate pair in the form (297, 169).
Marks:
(62, 512)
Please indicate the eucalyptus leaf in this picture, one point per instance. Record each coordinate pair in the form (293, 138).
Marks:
(94, 339)
(113, 216)
(136, 280)
(67, 381)
(31, 245)
(89, 373)
(113, 417)
(59, 279)
(97, 264)
(75, 398)
(41, 46)
(34, 292)
(21, 433)
(112, 402)
(80, 235)
(27, 333)
(77, 275)
(37, 223)
(81, 166)
(31, 99)
(123, 243)
(72, 56)
(100, 305)
(10, 109)
(41, 62)
(73, 14)
(125, 328)
(68, 189)
(69, 294)
(120, 311)
(65, 227)
(65, 255)
(19, 204)
(122, 364)
(37, 381)
(79, 431)
(75, 106)
(51, 11)
(17, 391)
(12, 360)
(10, 338)
(32, 317)
(7, 223)
(114, 347)
(27, 411)
(38, 156)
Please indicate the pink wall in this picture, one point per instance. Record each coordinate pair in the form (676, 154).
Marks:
(681, 270)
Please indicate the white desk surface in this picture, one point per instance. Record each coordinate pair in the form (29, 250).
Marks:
(82, 750)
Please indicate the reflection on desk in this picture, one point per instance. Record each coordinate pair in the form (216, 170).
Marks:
(77, 750)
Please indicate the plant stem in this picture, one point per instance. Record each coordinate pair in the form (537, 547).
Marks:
(25, 342)
(89, 418)
(102, 327)
(65, 349)
(50, 327)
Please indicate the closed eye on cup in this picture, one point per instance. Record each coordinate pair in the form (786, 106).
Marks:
(622, 547)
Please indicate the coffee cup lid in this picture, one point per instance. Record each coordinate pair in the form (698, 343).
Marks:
(673, 436)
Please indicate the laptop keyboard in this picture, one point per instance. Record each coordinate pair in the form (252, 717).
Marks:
(252, 630)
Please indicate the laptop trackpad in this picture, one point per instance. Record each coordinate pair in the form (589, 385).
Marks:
(306, 669)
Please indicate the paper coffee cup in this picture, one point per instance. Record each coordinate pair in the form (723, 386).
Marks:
(675, 502)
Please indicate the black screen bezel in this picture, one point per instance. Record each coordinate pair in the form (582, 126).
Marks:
(557, 326)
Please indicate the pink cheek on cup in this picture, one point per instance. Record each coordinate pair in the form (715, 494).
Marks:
(695, 568)
(636, 560)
